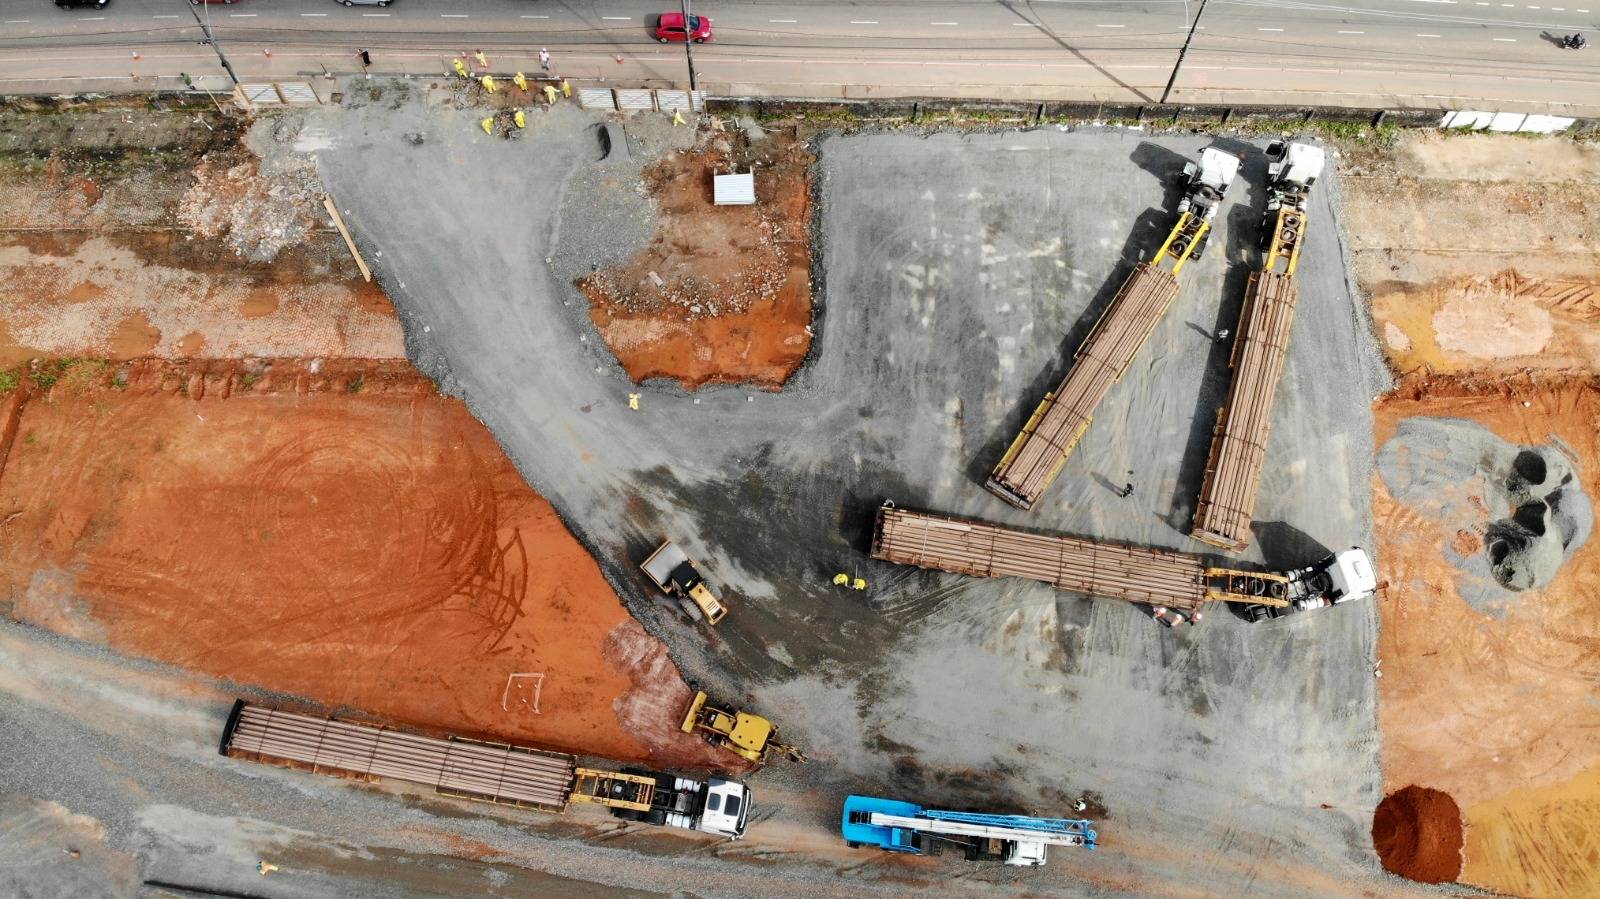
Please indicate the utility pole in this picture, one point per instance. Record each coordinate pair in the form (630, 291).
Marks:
(688, 48)
(205, 26)
(1193, 27)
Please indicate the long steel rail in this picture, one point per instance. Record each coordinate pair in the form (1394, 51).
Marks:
(1155, 577)
(1036, 455)
(1238, 451)
(461, 768)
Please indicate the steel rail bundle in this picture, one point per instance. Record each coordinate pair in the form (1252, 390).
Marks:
(1239, 442)
(1155, 577)
(1035, 457)
(466, 769)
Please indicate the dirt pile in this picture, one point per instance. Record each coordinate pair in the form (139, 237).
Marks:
(1418, 835)
(335, 531)
(722, 293)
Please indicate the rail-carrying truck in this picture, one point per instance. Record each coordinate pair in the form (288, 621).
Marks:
(481, 771)
(1035, 457)
(751, 737)
(1174, 585)
(1261, 346)
(671, 569)
(1020, 840)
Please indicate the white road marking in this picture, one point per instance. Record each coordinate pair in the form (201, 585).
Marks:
(1026, 25)
(1110, 26)
(1269, 29)
(163, 17)
(1558, 9)
(783, 21)
(1427, 35)
(16, 21)
(1352, 32)
(241, 15)
(533, 17)
(1506, 40)
(944, 23)
(1481, 3)
(94, 18)
(618, 18)
(452, 15)
(375, 15)
(313, 15)
(1508, 6)
(863, 21)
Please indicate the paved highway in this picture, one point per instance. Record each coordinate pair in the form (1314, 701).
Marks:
(1436, 53)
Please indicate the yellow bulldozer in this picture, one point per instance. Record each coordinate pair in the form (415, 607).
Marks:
(751, 737)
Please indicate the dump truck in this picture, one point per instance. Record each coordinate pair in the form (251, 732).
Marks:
(748, 736)
(1020, 840)
(671, 569)
(1035, 457)
(1175, 586)
(1238, 450)
(481, 771)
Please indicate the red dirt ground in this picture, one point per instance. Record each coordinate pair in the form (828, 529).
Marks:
(1498, 712)
(345, 535)
(734, 304)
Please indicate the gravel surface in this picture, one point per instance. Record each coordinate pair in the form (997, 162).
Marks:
(959, 272)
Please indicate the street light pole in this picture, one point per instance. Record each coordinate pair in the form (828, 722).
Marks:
(688, 51)
(205, 26)
(1193, 27)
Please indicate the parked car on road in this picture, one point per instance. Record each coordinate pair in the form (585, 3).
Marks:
(70, 4)
(672, 27)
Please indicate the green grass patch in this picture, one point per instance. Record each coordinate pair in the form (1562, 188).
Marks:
(9, 381)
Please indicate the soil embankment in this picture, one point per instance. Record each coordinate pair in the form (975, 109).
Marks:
(340, 533)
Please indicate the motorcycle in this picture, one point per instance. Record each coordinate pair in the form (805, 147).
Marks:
(1574, 42)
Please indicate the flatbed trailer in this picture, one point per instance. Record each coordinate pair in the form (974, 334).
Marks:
(1052, 432)
(1155, 577)
(485, 772)
(1238, 450)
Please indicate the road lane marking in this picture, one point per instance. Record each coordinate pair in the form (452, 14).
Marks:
(863, 21)
(944, 23)
(241, 15)
(1506, 40)
(313, 15)
(783, 21)
(1110, 26)
(16, 21)
(1026, 25)
(533, 17)
(618, 18)
(452, 15)
(94, 19)
(1427, 35)
(1269, 29)
(374, 15)
(1352, 32)
(163, 17)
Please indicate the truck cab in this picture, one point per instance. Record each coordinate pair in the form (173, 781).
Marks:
(726, 810)
(1344, 576)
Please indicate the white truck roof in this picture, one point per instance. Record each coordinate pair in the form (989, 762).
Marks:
(1303, 162)
(1218, 168)
(1353, 575)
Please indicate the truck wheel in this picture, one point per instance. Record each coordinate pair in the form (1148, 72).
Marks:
(852, 844)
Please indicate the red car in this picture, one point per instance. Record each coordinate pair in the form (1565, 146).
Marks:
(670, 27)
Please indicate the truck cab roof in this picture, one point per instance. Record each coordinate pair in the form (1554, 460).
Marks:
(727, 808)
(1352, 575)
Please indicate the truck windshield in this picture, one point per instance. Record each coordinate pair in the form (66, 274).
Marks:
(732, 807)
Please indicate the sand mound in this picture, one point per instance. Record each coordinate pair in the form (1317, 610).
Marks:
(1418, 835)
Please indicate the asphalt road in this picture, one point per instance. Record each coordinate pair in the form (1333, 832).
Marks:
(1438, 53)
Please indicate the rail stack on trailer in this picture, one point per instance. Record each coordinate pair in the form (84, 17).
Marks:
(1035, 457)
(1261, 347)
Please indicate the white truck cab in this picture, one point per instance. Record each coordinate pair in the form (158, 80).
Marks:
(727, 808)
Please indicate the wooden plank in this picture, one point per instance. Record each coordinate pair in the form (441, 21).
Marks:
(338, 221)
